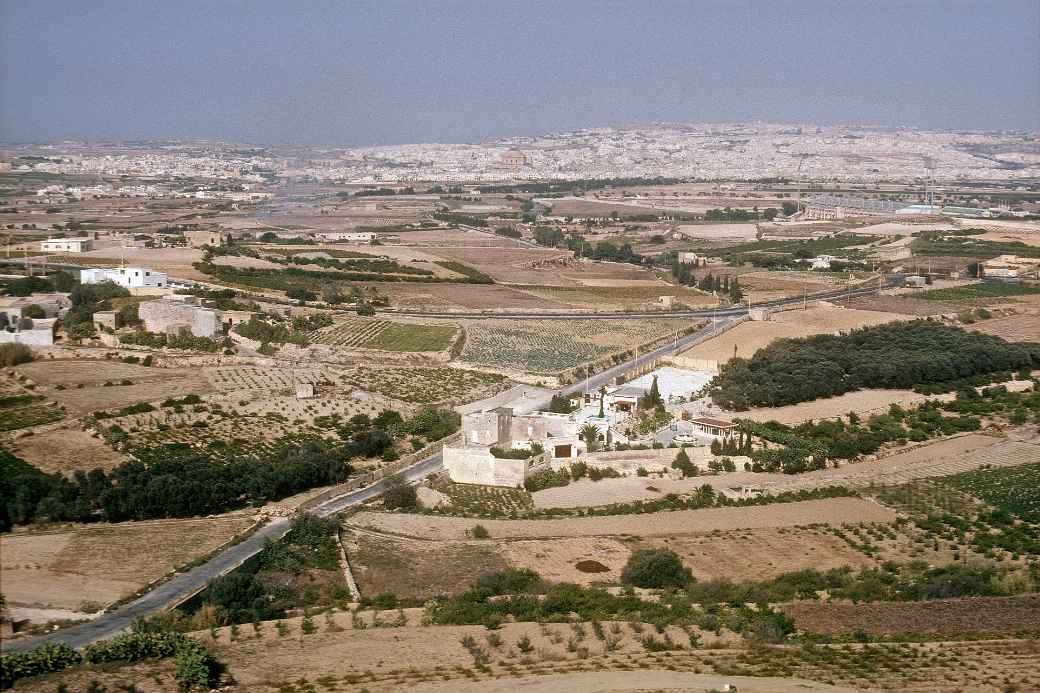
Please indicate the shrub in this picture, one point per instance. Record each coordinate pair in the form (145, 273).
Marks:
(480, 532)
(41, 660)
(398, 494)
(655, 568)
(14, 354)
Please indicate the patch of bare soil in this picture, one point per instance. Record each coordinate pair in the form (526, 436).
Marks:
(102, 563)
(64, 450)
(831, 510)
(993, 616)
(419, 569)
(760, 554)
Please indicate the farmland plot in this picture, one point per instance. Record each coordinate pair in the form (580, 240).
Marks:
(1014, 489)
(102, 563)
(387, 336)
(548, 346)
(426, 385)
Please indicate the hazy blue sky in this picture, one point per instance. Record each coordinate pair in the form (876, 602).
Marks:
(356, 73)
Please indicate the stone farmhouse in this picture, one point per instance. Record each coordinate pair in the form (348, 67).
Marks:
(175, 313)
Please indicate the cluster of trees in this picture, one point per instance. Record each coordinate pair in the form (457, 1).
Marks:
(273, 332)
(182, 340)
(57, 281)
(896, 355)
(728, 214)
(718, 284)
(169, 481)
(508, 232)
(811, 444)
(561, 404)
(87, 299)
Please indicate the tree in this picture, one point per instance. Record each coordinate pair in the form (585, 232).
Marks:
(655, 569)
(331, 294)
(590, 434)
(652, 398)
(34, 311)
(560, 404)
(683, 464)
(365, 309)
(398, 494)
(300, 294)
(736, 294)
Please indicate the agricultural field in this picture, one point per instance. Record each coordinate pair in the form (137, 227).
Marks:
(85, 567)
(759, 554)
(981, 293)
(831, 510)
(1013, 489)
(983, 616)
(29, 414)
(1013, 328)
(419, 570)
(491, 501)
(426, 385)
(548, 346)
(64, 450)
(604, 298)
(245, 378)
(750, 336)
(459, 297)
(863, 402)
(384, 335)
(83, 386)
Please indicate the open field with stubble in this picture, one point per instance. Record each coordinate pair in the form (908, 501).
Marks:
(748, 337)
(80, 385)
(989, 616)
(831, 510)
(99, 564)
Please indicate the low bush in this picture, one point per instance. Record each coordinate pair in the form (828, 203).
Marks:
(655, 568)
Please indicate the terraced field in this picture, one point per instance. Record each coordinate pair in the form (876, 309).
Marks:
(425, 385)
(549, 346)
(385, 335)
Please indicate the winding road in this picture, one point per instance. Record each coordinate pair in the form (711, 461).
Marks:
(186, 584)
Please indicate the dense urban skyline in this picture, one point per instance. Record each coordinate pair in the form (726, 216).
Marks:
(391, 73)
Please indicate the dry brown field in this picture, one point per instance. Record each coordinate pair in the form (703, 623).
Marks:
(748, 337)
(760, 554)
(603, 298)
(917, 307)
(1014, 328)
(831, 510)
(861, 401)
(415, 569)
(101, 563)
(64, 450)
(148, 384)
(508, 265)
(460, 297)
(989, 616)
(432, 659)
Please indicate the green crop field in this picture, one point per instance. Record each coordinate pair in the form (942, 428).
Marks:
(1014, 489)
(402, 337)
(978, 291)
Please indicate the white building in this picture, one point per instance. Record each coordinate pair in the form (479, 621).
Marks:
(66, 245)
(129, 277)
(345, 236)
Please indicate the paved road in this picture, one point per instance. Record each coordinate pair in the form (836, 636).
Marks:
(186, 584)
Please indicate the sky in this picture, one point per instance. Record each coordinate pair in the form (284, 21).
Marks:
(354, 73)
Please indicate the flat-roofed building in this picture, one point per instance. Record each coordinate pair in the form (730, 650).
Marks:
(66, 245)
(129, 277)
